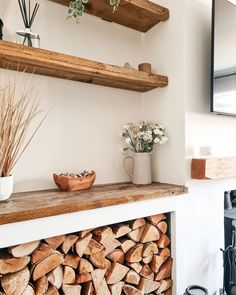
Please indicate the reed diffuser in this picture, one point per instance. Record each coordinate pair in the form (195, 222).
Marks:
(26, 37)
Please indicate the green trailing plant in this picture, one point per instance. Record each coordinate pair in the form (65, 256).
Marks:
(76, 7)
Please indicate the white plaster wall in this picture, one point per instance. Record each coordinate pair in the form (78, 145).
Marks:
(82, 131)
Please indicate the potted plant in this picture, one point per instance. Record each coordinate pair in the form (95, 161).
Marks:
(76, 7)
(140, 139)
(17, 111)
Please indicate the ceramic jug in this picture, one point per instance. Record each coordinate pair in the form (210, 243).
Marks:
(142, 170)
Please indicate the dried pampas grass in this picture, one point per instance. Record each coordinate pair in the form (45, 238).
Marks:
(17, 111)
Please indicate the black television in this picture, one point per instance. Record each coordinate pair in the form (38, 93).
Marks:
(223, 73)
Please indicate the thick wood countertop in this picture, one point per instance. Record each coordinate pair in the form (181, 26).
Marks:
(38, 204)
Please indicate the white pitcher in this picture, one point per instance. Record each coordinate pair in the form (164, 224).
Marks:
(142, 169)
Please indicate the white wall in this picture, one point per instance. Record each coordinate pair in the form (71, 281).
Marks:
(83, 128)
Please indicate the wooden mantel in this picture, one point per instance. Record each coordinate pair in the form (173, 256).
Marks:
(213, 168)
(140, 15)
(54, 64)
(39, 204)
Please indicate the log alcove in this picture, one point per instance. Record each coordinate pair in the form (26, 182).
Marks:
(131, 258)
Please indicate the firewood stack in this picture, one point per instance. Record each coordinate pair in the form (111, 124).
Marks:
(122, 259)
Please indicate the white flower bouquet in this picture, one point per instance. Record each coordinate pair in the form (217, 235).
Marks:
(140, 137)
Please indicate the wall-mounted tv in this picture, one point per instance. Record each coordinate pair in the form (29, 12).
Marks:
(223, 94)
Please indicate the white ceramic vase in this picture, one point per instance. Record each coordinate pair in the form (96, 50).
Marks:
(6, 187)
(142, 168)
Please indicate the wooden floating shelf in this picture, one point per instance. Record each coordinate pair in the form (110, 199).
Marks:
(140, 15)
(38, 204)
(48, 63)
(213, 168)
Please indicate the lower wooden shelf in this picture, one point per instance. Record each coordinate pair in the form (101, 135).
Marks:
(54, 64)
(213, 168)
(38, 204)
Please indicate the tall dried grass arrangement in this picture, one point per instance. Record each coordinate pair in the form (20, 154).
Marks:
(17, 111)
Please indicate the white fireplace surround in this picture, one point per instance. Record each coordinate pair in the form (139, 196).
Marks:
(26, 231)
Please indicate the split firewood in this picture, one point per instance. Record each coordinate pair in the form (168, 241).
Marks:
(118, 272)
(41, 253)
(41, 286)
(137, 223)
(165, 252)
(55, 242)
(126, 244)
(150, 234)
(93, 247)
(29, 290)
(46, 265)
(147, 260)
(108, 266)
(148, 286)
(136, 234)
(147, 273)
(117, 255)
(103, 289)
(132, 277)
(168, 292)
(165, 285)
(83, 233)
(116, 289)
(55, 277)
(162, 226)
(9, 264)
(150, 249)
(163, 242)
(121, 230)
(104, 236)
(82, 244)
(68, 243)
(85, 266)
(24, 249)
(88, 289)
(52, 290)
(71, 289)
(68, 276)
(97, 278)
(134, 254)
(83, 278)
(71, 260)
(157, 262)
(135, 266)
(98, 260)
(156, 218)
(112, 246)
(16, 283)
(165, 270)
(131, 290)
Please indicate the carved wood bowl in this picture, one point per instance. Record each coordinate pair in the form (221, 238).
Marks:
(71, 184)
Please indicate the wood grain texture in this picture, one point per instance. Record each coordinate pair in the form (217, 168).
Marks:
(48, 63)
(38, 204)
(213, 168)
(140, 15)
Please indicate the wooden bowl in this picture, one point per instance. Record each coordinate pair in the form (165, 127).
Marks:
(72, 184)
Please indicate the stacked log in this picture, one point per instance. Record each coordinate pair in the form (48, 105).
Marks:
(132, 258)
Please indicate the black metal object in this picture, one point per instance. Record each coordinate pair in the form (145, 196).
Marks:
(227, 200)
(196, 290)
(1, 29)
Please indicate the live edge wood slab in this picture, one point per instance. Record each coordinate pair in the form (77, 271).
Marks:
(38, 204)
(49, 63)
(140, 15)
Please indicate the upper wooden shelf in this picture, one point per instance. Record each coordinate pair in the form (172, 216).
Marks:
(140, 15)
(213, 168)
(32, 205)
(43, 62)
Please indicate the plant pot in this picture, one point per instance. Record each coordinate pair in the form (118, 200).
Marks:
(71, 184)
(6, 187)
